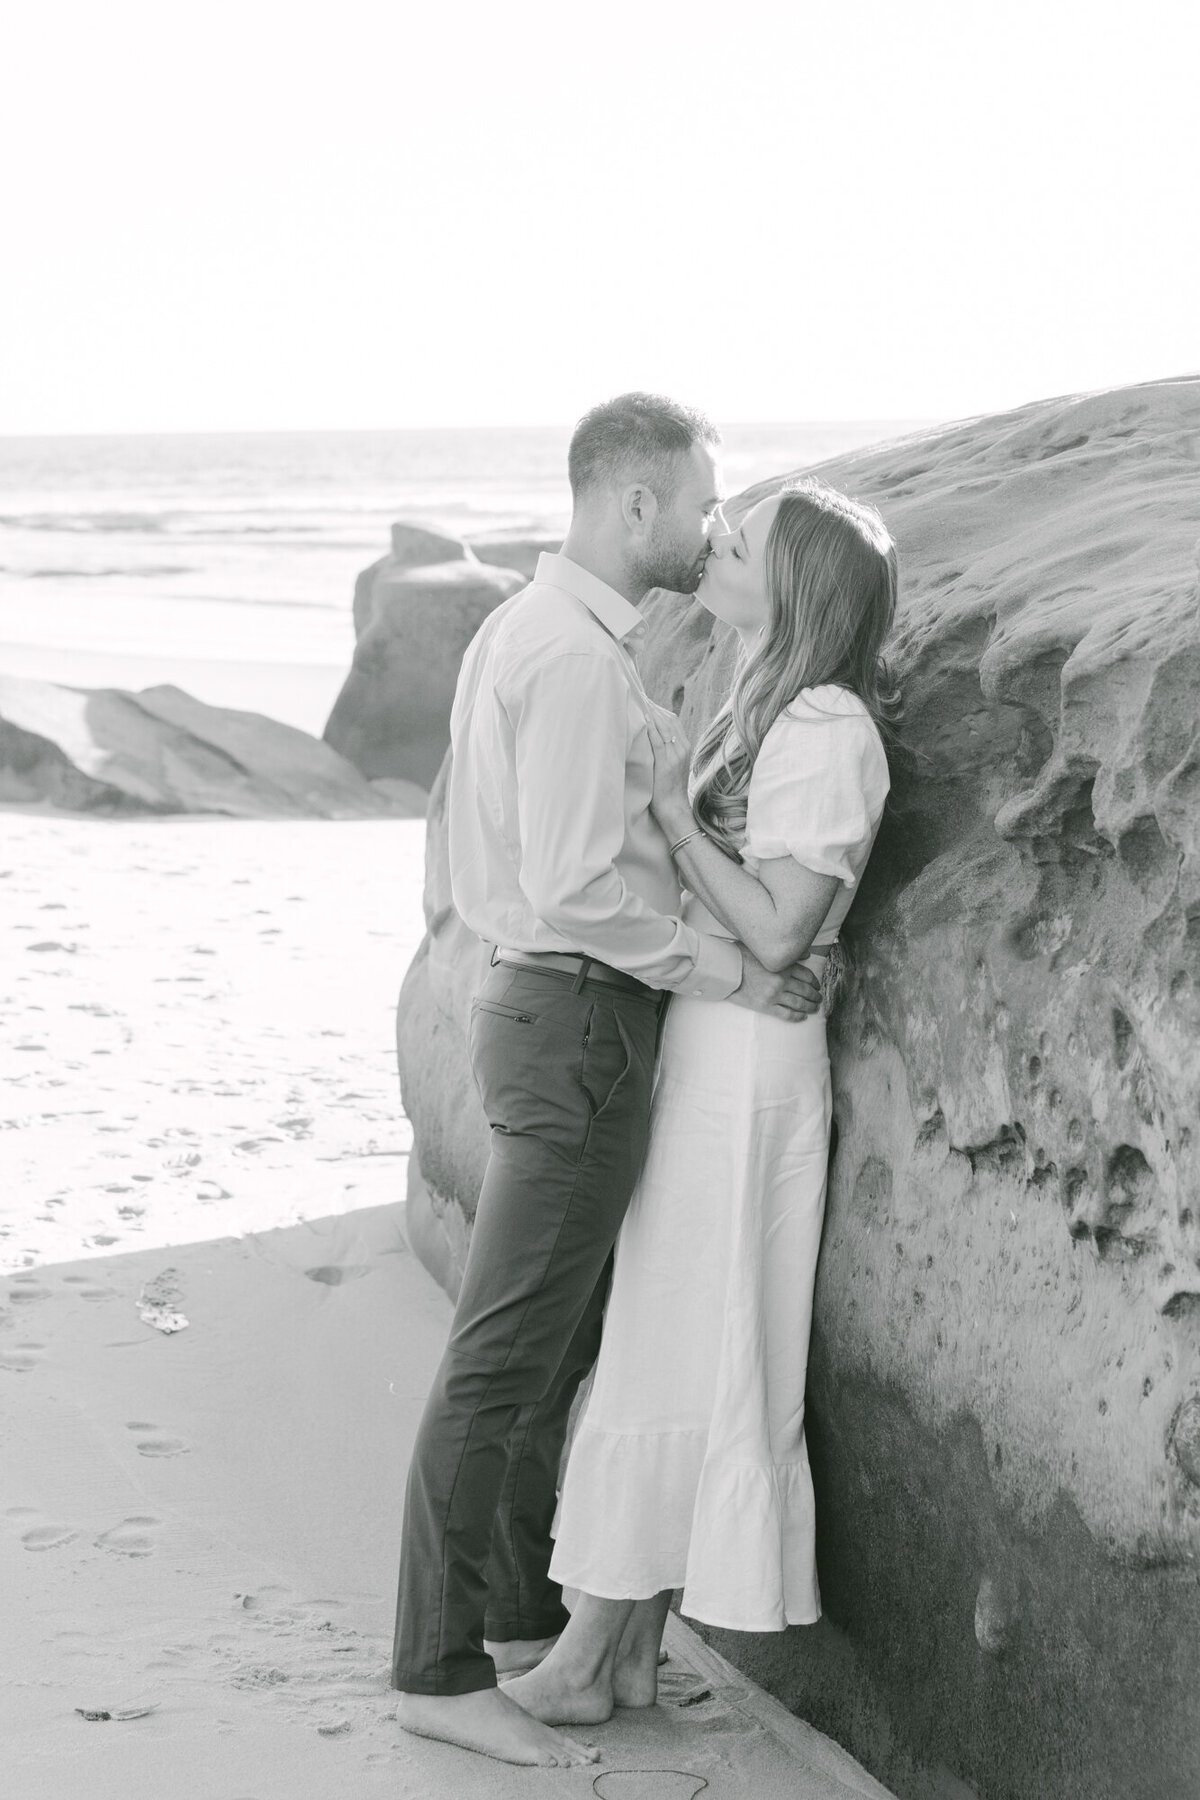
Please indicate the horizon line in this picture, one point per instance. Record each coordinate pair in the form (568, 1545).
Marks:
(391, 430)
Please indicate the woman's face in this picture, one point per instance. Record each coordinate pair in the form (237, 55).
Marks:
(733, 586)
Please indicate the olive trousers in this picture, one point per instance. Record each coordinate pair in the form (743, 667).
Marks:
(565, 1073)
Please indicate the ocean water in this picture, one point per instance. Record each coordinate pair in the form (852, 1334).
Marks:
(225, 563)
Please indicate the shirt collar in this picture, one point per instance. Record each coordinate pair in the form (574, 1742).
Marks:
(617, 615)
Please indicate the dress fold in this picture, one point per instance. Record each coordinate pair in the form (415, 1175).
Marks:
(689, 1468)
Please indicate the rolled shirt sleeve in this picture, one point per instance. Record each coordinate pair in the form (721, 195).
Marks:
(818, 788)
(573, 802)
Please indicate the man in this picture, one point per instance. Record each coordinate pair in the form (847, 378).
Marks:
(556, 860)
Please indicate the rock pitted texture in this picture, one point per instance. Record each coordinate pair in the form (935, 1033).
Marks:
(1005, 1374)
(415, 612)
(160, 750)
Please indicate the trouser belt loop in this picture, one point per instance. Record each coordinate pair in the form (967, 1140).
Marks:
(577, 984)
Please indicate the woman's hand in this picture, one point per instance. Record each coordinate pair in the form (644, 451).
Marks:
(672, 762)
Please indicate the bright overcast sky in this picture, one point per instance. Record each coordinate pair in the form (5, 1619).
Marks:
(259, 214)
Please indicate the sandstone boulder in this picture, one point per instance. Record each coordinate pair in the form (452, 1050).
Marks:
(415, 612)
(161, 750)
(405, 799)
(515, 549)
(1005, 1375)
(446, 1166)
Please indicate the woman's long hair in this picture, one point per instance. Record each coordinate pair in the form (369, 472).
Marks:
(830, 570)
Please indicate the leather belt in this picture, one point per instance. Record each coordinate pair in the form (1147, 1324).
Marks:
(577, 967)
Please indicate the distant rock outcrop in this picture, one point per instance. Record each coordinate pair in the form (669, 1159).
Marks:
(415, 612)
(108, 751)
(1005, 1372)
(515, 549)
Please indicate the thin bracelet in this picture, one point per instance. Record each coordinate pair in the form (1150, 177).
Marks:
(680, 842)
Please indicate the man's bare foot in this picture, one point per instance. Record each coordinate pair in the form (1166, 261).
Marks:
(489, 1722)
(556, 1695)
(518, 1654)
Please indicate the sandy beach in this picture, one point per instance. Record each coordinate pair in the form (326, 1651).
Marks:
(215, 1342)
(196, 1025)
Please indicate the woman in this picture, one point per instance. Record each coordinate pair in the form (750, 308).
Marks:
(689, 1468)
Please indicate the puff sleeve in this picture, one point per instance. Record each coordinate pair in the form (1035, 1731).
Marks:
(818, 786)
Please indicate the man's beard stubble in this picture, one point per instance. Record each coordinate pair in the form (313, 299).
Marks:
(665, 565)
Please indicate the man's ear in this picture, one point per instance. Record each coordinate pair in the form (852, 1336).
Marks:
(639, 508)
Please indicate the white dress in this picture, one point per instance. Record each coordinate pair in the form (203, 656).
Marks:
(689, 1468)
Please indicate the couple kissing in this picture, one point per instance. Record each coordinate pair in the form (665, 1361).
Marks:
(650, 1050)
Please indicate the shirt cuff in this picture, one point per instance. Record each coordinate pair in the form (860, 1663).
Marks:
(718, 970)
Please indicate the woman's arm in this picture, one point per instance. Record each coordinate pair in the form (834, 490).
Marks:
(776, 913)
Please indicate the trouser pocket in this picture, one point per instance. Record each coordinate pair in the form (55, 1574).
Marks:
(527, 1058)
(607, 1055)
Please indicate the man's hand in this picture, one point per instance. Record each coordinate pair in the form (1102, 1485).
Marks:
(791, 994)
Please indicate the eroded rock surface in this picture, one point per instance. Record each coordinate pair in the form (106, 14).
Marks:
(1005, 1376)
(161, 750)
(415, 612)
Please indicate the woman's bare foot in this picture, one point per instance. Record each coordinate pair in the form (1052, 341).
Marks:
(559, 1694)
(519, 1654)
(635, 1677)
(489, 1722)
(639, 1655)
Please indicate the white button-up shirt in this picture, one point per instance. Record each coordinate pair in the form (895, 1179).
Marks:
(552, 842)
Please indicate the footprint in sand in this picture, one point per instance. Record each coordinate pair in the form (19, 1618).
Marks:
(86, 1284)
(157, 1446)
(132, 1537)
(45, 1535)
(48, 1537)
(21, 1358)
(330, 1275)
(24, 1290)
(270, 1595)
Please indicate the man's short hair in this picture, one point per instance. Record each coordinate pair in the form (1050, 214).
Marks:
(636, 437)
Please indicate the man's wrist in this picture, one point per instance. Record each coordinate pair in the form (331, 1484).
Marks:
(719, 968)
